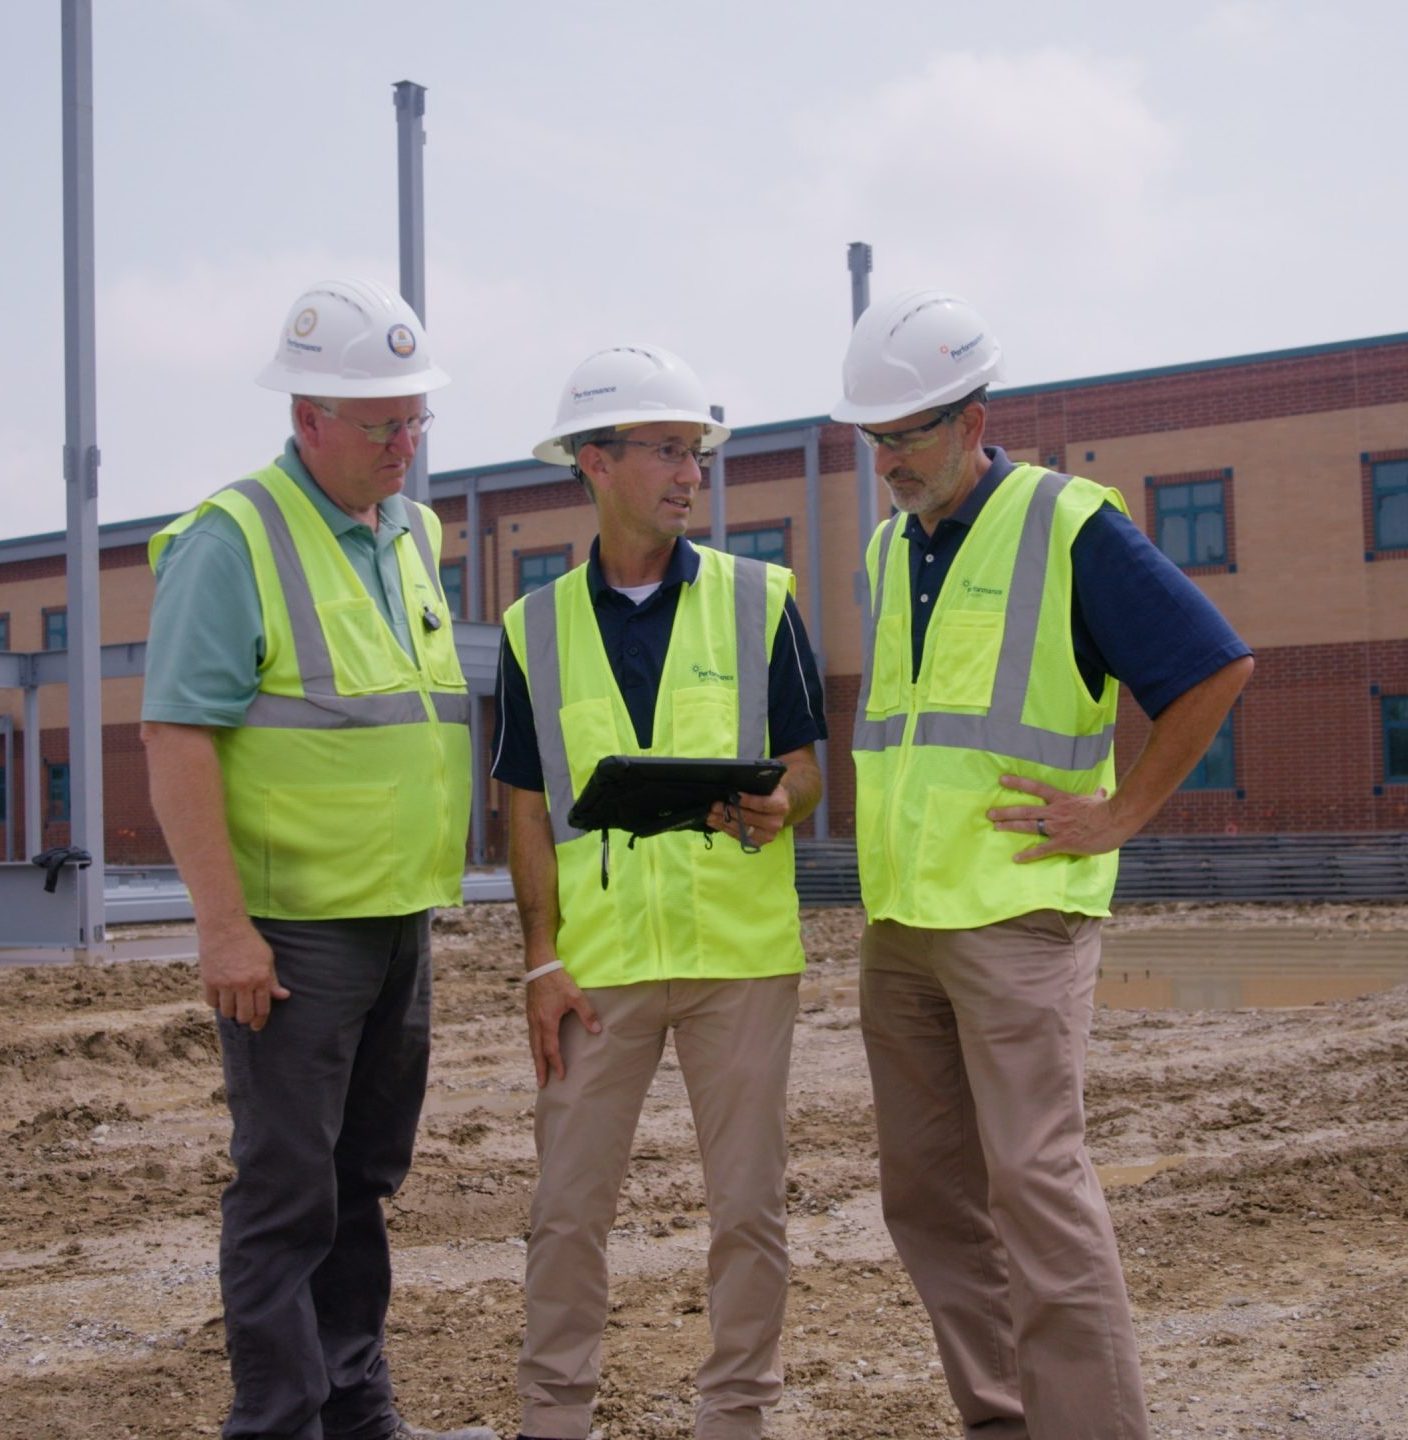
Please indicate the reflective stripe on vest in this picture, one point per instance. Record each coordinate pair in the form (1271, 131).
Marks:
(998, 692)
(750, 582)
(680, 905)
(340, 806)
(321, 707)
(1001, 730)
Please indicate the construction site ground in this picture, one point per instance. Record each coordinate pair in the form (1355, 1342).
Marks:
(1256, 1162)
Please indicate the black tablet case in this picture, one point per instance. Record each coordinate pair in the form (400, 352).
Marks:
(650, 794)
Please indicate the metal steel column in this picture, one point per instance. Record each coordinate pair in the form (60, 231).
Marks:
(718, 502)
(8, 727)
(410, 171)
(859, 258)
(474, 551)
(85, 721)
(33, 775)
(474, 593)
(811, 454)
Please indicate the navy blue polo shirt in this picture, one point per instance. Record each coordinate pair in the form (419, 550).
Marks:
(636, 638)
(1134, 614)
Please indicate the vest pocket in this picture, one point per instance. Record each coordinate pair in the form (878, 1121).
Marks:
(588, 733)
(331, 850)
(704, 722)
(442, 663)
(963, 662)
(889, 667)
(366, 660)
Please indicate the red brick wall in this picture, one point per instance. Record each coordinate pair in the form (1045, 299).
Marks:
(131, 834)
(1308, 741)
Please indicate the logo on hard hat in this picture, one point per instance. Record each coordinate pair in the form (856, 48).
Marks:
(304, 321)
(579, 395)
(965, 347)
(402, 341)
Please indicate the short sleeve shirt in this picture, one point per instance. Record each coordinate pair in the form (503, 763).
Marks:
(636, 639)
(205, 643)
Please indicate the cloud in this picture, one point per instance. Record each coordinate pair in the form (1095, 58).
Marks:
(1242, 24)
(999, 152)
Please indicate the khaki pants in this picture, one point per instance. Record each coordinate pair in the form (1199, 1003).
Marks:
(977, 1041)
(734, 1042)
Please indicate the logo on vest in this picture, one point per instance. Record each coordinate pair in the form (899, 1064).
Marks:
(973, 589)
(702, 673)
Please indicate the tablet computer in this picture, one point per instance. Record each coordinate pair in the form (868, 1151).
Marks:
(649, 794)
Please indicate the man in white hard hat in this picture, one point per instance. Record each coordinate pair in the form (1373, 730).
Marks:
(1006, 604)
(654, 647)
(306, 725)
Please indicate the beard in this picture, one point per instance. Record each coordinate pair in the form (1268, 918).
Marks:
(920, 494)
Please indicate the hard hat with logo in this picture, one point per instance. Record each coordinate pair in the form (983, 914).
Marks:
(627, 385)
(915, 351)
(352, 339)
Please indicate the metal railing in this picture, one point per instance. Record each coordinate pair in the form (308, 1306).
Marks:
(1362, 866)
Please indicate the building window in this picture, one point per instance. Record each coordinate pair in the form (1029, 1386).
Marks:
(1395, 710)
(537, 568)
(1390, 500)
(56, 629)
(57, 807)
(4, 632)
(452, 583)
(1217, 770)
(1190, 522)
(4, 795)
(764, 542)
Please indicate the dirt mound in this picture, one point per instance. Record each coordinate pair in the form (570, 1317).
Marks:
(1255, 1162)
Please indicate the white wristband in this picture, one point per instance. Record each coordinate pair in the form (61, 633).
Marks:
(543, 970)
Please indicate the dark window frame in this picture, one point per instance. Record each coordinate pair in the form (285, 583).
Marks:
(58, 809)
(457, 568)
(1197, 780)
(1155, 485)
(47, 615)
(1370, 463)
(1388, 726)
(4, 629)
(539, 552)
(752, 527)
(761, 527)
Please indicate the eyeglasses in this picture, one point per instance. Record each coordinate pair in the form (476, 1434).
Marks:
(388, 430)
(917, 437)
(671, 451)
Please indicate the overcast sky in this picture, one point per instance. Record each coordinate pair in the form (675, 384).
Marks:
(1114, 185)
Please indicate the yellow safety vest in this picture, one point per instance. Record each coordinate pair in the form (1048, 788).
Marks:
(677, 907)
(999, 692)
(347, 785)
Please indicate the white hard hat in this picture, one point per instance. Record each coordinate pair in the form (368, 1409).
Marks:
(911, 352)
(352, 339)
(627, 385)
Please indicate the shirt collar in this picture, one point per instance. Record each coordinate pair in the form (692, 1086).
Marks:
(392, 509)
(683, 568)
(999, 468)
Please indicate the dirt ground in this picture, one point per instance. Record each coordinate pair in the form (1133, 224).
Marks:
(1255, 1162)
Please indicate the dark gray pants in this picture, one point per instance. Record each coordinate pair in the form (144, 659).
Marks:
(325, 1101)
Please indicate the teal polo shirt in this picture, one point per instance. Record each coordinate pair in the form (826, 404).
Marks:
(206, 639)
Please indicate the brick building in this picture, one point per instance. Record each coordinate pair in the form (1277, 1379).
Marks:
(1278, 481)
